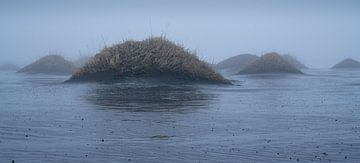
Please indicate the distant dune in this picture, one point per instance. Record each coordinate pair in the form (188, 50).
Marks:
(347, 63)
(8, 67)
(51, 64)
(81, 61)
(153, 57)
(294, 61)
(270, 63)
(236, 63)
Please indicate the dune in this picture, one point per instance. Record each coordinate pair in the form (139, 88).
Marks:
(347, 64)
(81, 61)
(236, 63)
(270, 63)
(9, 67)
(294, 61)
(155, 57)
(51, 64)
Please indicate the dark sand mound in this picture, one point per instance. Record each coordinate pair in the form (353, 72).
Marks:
(153, 57)
(9, 67)
(51, 64)
(270, 63)
(236, 63)
(82, 60)
(347, 64)
(294, 61)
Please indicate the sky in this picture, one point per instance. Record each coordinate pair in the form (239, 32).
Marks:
(319, 33)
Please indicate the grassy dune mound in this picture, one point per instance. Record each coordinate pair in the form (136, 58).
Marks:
(8, 67)
(270, 63)
(51, 64)
(347, 64)
(236, 63)
(152, 57)
(294, 61)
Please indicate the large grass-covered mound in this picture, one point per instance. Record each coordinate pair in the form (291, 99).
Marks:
(347, 64)
(51, 64)
(153, 57)
(270, 63)
(8, 67)
(294, 61)
(236, 63)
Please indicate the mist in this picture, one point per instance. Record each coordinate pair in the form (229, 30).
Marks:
(319, 33)
(283, 83)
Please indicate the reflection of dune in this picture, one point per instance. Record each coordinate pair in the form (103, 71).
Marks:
(153, 98)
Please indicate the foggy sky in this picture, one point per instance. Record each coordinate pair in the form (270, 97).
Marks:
(318, 32)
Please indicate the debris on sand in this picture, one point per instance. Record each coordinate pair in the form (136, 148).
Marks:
(161, 137)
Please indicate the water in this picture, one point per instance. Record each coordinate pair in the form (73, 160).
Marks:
(263, 118)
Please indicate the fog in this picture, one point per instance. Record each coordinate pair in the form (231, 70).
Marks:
(319, 33)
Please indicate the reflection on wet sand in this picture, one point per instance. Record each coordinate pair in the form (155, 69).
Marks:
(149, 97)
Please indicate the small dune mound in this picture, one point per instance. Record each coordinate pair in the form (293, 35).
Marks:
(236, 63)
(153, 57)
(51, 64)
(347, 64)
(270, 63)
(81, 61)
(9, 67)
(294, 61)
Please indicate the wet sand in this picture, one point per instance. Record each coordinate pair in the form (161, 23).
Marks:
(261, 118)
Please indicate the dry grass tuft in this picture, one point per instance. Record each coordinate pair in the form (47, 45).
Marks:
(294, 61)
(155, 56)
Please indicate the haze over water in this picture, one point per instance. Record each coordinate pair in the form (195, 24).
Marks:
(308, 116)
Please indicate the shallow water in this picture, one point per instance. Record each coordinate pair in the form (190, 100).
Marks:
(261, 118)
